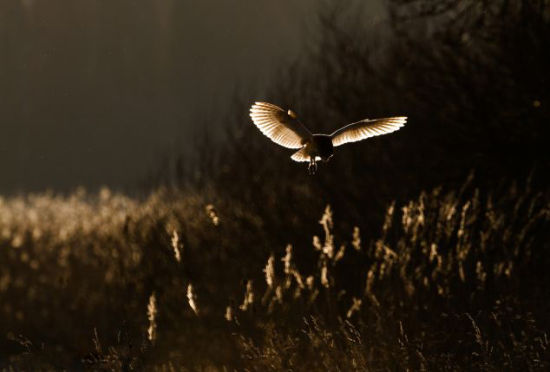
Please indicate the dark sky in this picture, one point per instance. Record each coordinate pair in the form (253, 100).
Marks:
(94, 92)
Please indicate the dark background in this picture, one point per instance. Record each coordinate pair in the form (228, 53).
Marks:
(96, 92)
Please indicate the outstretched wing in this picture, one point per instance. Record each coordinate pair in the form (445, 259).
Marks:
(301, 155)
(281, 127)
(367, 128)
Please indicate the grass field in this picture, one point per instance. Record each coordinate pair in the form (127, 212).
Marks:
(453, 280)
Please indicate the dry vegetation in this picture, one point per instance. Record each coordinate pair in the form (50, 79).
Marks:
(452, 280)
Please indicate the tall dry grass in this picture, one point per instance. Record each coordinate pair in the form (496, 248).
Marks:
(454, 279)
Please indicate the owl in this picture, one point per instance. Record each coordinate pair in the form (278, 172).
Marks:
(284, 128)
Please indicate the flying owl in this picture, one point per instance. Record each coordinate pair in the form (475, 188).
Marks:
(284, 128)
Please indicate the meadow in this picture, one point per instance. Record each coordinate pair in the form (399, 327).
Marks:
(451, 280)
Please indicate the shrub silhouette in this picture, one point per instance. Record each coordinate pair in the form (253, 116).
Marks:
(470, 76)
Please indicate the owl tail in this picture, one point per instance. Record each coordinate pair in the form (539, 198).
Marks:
(300, 155)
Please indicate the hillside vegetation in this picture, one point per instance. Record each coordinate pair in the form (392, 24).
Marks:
(451, 280)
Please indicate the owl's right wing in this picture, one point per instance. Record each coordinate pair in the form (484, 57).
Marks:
(280, 126)
(367, 128)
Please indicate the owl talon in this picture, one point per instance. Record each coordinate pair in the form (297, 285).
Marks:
(312, 168)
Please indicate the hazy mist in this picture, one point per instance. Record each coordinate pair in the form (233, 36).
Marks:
(94, 92)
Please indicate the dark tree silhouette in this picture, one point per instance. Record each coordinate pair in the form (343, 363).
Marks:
(471, 77)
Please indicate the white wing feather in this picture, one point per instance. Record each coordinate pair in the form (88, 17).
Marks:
(279, 126)
(367, 128)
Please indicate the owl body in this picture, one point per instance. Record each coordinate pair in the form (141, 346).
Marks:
(320, 147)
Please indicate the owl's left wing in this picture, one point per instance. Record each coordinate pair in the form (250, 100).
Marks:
(367, 128)
(281, 126)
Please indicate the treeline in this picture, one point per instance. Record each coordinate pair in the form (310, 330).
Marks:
(471, 77)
